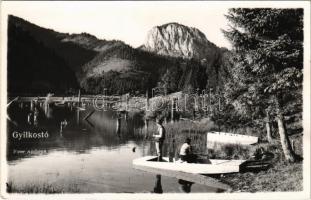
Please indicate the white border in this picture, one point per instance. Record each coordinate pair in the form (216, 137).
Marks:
(305, 194)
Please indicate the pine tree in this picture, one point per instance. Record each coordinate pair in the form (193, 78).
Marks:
(268, 61)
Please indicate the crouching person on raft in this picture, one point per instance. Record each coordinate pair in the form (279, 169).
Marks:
(186, 154)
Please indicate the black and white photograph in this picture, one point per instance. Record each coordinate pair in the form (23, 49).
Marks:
(155, 99)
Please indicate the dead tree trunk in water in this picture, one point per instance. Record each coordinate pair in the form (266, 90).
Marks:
(172, 110)
(286, 146)
(118, 128)
(146, 126)
(268, 127)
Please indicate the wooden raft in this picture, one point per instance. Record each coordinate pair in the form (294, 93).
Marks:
(196, 178)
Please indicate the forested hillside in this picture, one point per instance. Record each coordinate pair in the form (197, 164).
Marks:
(35, 69)
(96, 64)
(138, 70)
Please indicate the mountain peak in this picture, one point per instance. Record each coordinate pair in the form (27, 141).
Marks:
(178, 40)
(171, 24)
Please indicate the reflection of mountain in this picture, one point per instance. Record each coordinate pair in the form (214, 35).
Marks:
(75, 137)
(105, 125)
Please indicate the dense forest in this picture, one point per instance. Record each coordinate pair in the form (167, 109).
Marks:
(266, 69)
(35, 69)
(72, 53)
(148, 71)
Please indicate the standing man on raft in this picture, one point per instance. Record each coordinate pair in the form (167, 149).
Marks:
(159, 138)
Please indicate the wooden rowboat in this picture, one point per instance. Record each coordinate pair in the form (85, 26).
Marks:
(230, 138)
(209, 166)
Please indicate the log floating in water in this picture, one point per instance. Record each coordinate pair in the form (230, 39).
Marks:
(62, 99)
(12, 101)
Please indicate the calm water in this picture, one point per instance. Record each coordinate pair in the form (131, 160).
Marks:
(87, 156)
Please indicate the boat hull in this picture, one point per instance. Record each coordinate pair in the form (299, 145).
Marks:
(230, 138)
(213, 167)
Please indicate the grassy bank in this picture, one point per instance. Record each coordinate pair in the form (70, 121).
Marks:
(45, 188)
(281, 177)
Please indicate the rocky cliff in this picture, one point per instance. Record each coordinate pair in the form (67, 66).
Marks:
(177, 40)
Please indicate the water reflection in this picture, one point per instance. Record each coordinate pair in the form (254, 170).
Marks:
(118, 129)
(185, 186)
(69, 129)
(91, 149)
(158, 185)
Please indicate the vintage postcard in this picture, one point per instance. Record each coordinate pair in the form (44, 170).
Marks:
(155, 99)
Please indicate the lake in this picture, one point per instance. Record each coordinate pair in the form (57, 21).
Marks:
(85, 155)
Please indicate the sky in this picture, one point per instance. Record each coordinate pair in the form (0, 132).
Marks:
(130, 21)
(127, 21)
